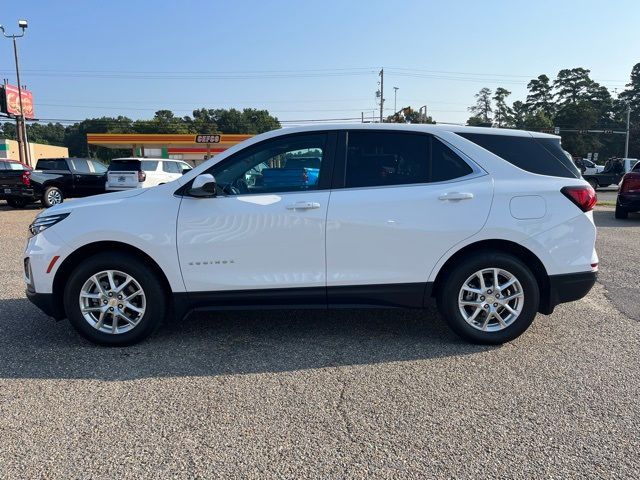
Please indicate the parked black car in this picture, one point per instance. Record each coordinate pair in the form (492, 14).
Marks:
(629, 193)
(53, 180)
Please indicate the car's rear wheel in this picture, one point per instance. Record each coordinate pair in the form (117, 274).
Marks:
(114, 299)
(17, 202)
(489, 297)
(52, 196)
(621, 212)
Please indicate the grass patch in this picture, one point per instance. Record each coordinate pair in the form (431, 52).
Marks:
(606, 204)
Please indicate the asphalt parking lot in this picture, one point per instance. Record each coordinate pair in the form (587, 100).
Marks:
(333, 395)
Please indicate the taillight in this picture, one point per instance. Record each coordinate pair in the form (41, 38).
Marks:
(584, 196)
(630, 183)
(26, 178)
(141, 176)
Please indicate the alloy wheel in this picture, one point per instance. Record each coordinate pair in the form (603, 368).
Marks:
(491, 299)
(112, 302)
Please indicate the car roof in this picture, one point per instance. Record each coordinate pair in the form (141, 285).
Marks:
(421, 127)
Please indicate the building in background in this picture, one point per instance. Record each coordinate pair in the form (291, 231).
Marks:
(10, 149)
(191, 148)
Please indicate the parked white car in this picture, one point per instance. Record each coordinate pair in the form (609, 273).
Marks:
(128, 173)
(494, 224)
(591, 168)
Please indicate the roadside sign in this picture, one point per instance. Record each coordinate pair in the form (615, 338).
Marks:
(207, 139)
(556, 130)
(11, 103)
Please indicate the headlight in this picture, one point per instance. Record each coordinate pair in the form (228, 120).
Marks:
(40, 224)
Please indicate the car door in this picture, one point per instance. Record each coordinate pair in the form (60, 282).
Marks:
(403, 200)
(266, 242)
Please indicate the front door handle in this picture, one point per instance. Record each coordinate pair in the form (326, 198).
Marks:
(303, 206)
(455, 196)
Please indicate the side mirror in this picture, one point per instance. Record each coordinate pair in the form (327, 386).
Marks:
(203, 186)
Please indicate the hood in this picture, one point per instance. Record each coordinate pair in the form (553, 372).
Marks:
(94, 201)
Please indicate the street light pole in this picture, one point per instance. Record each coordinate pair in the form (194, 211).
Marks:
(23, 141)
(626, 144)
(395, 99)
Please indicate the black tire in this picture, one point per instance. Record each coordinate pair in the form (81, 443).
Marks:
(593, 183)
(49, 198)
(148, 281)
(452, 283)
(621, 213)
(17, 202)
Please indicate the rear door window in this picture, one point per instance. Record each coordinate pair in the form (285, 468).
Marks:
(149, 165)
(399, 158)
(80, 165)
(171, 167)
(543, 156)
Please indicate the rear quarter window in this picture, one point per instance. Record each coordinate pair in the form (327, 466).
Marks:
(543, 156)
(148, 166)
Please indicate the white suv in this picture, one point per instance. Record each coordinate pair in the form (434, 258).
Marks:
(128, 173)
(496, 225)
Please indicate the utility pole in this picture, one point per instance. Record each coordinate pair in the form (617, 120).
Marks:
(395, 99)
(381, 93)
(626, 145)
(23, 141)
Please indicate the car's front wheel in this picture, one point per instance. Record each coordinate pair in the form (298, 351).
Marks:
(489, 297)
(114, 299)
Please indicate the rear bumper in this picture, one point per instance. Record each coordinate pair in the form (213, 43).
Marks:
(46, 303)
(567, 287)
(26, 193)
(629, 201)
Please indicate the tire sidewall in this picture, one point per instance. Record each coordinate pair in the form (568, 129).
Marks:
(448, 297)
(45, 196)
(150, 284)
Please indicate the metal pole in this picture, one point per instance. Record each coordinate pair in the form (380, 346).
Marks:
(25, 138)
(626, 145)
(381, 93)
(395, 99)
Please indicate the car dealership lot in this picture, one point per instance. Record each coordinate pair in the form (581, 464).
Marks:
(333, 394)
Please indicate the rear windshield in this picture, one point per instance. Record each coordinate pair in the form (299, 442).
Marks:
(52, 164)
(124, 166)
(543, 156)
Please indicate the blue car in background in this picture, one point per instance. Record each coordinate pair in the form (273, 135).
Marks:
(297, 172)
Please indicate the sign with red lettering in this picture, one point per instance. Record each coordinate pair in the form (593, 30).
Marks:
(207, 138)
(12, 101)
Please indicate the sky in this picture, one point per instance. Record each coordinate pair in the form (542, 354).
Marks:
(305, 60)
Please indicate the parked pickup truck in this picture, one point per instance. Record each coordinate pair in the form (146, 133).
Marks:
(612, 173)
(297, 172)
(55, 179)
(14, 179)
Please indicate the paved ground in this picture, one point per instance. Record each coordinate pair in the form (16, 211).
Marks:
(608, 194)
(311, 394)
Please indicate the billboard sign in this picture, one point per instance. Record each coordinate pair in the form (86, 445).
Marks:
(12, 101)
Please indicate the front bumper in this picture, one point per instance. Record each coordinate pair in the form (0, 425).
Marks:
(46, 303)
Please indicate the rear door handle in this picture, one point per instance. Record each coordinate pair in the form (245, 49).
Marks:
(455, 196)
(303, 206)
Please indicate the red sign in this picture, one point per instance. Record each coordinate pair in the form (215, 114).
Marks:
(13, 101)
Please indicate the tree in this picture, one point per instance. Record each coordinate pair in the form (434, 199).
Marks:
(482, 108)
(537, 121)
(540, 95)
(75, 136)
(48, 133)
(572, 85)
(477, 121)
(631, 95)
(8, 131)
(519, 113)
(164, 121)
(503, 113)
(408, 115)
